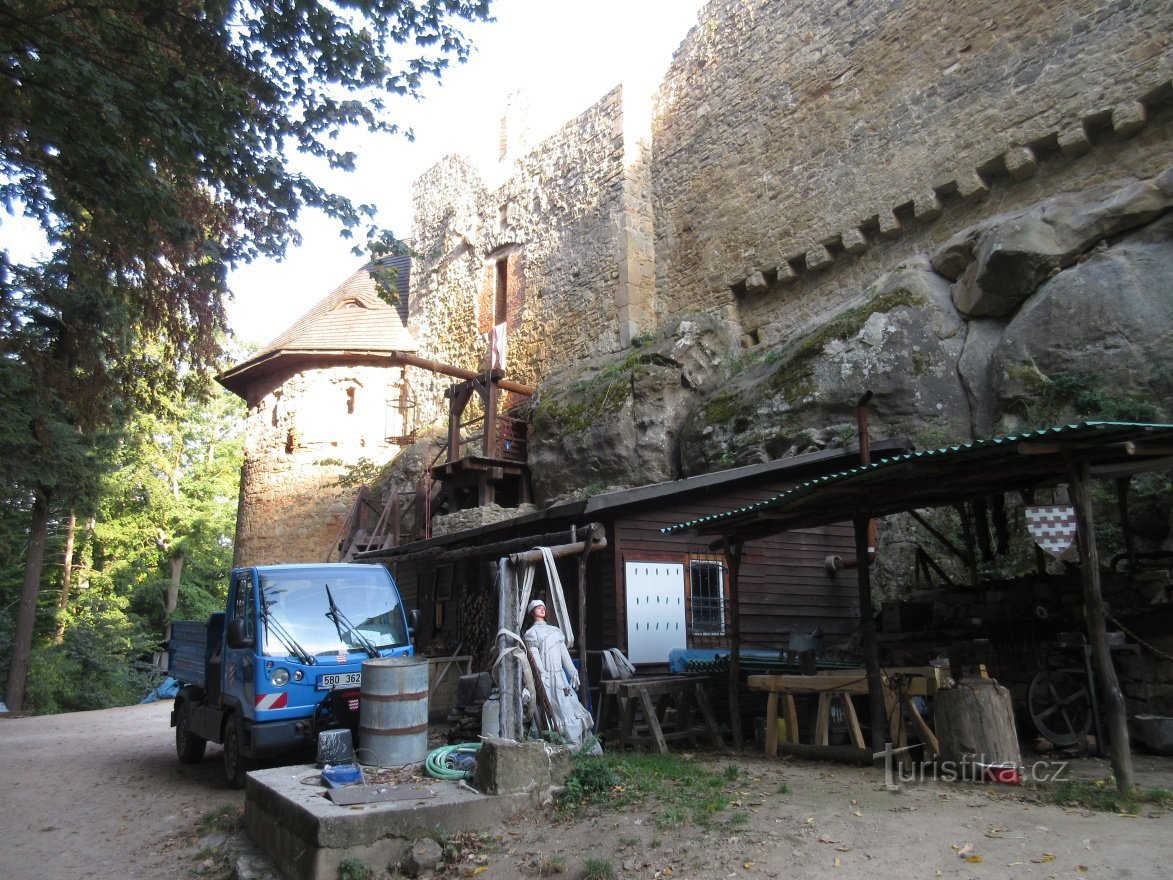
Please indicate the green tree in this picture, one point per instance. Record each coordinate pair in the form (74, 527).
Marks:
(149, 140)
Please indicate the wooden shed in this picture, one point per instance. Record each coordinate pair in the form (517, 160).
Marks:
(647, 593)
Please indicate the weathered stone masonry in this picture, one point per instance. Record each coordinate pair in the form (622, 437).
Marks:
(572, 219)
(794, 140)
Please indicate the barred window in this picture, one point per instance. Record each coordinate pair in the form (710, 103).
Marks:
(708, 597)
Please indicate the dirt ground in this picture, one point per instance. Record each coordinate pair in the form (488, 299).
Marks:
(101, 795)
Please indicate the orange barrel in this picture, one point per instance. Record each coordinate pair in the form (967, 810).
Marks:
(393, 711)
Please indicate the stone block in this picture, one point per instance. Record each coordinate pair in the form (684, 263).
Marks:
(1074, 141)
(818, 258)
(787, 274)
(1020, 162)
(424, 855)
(926, 207)
(1128, 119)
(971, 185)
(890, 224)
(854, 241)
(506, 767)
(756, 283)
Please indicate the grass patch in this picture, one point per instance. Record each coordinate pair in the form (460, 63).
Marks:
(680, 791)
(551, 865)
(354, 869)
(1102, 795)
(225, 818)
(598, 869)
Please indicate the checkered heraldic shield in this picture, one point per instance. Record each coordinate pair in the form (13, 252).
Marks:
(1052, 527)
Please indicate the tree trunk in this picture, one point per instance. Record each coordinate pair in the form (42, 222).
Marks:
(171, 598)
(975, 724)
(66, 580)
(26, 616)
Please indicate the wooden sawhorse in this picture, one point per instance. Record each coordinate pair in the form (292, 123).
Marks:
(654, 695)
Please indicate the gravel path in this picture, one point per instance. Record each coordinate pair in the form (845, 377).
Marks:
(102, 795)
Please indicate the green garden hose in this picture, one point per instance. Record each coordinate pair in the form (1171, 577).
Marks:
(441, 763)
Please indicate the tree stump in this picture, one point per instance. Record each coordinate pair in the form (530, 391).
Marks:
(975, 725)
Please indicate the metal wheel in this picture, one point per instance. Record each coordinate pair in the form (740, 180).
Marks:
(1060, 706)
(236, 765)
(188, 746)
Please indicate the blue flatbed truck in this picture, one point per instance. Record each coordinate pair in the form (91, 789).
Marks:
(283, 661)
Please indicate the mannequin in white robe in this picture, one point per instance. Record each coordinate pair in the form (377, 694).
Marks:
(547, 645)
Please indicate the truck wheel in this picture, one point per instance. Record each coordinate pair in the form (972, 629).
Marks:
(188, 746)
(236, 765)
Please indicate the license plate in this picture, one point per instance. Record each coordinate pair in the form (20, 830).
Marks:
(339, 680)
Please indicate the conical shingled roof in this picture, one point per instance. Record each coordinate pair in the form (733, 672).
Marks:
(352, 319)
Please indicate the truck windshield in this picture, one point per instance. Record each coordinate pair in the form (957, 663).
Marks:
(297, 602)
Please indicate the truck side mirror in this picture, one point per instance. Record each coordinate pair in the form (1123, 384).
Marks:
(237, 635)
(413, 622)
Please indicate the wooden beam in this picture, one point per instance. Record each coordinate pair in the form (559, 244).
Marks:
(561, 551)
(461, 373)
(945, 542)
(1089, 565)
(867, 632)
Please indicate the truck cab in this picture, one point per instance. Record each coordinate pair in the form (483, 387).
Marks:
(283, 661)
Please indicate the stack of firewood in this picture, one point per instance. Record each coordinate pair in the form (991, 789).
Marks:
(464, 719)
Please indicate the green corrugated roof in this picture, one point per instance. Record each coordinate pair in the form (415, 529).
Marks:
(1002, 461)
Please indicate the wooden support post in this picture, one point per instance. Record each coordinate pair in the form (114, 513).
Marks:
(584, 685)
(492, 442)
(1089, 565)
(1123, 484)
(867, 632)
(732, 552)
(772, 725)
(791, 712)
(512, 716)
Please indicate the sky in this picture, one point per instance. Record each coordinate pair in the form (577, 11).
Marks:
(563, 55)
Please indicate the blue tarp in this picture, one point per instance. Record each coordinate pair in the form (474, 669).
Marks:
(165, 691)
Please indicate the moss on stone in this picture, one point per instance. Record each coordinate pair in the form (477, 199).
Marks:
(575, 409)
(796, 377)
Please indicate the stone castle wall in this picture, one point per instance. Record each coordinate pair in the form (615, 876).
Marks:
(303, 428)
(562, 222)
(800, 148)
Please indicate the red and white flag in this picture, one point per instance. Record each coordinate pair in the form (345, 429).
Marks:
(1053, 527)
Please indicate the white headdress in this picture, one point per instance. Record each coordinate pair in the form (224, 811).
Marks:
(534, 604)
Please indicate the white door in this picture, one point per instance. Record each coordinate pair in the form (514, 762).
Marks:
(655, 610)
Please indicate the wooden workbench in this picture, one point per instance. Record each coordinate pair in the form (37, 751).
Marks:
(900, 686)
(655, 696)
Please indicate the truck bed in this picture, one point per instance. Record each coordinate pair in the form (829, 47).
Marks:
(191, 646)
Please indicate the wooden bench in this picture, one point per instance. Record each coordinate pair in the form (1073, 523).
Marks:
(900, 686)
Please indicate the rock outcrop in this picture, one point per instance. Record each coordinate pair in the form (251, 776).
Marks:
(1055, 313)
(617, 423)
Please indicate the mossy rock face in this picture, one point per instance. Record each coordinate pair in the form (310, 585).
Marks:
(614, 422)
(901, 342)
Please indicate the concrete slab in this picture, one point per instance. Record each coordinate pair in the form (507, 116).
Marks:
(307, 835)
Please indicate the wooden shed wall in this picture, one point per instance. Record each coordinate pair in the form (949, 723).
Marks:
(784, 584)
